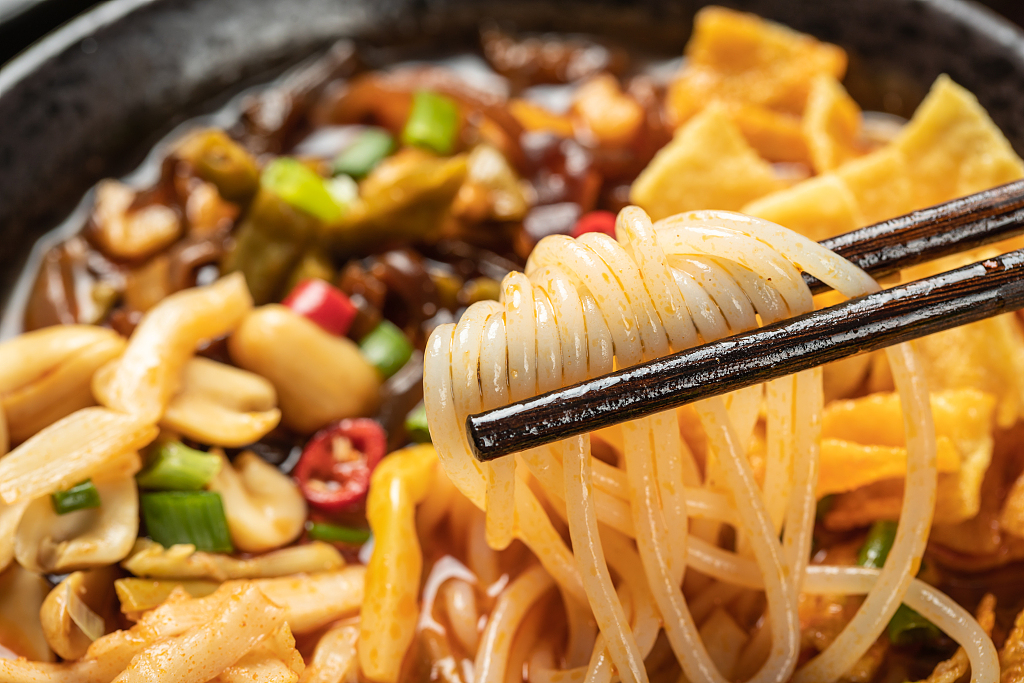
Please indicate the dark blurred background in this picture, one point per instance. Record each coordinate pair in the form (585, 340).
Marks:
(22, 22)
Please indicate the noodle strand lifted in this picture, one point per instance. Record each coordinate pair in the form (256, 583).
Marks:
(588, 306)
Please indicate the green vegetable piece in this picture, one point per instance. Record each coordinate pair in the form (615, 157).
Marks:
(220, 160)
(907, 627)
(410, 205)
(298, 185)
(333, 533)
(433, 122)
(877, 546)
(192, 517)
(365, 152)
(82, 496)
(173, 466)
(416, 424)
(387, 348)
(269, 244)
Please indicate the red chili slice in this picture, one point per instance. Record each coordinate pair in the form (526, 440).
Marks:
(334, 470)
(595, 221)
(324, 304)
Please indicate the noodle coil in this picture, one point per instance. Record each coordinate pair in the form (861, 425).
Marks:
(600, 304)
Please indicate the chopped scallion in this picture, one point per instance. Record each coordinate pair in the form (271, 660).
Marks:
(433, 122)
(877, 546)
(387, 348)
(416, 424)
(173, 466)
(333, 533)
(81, 496)
(192, 517)
(298, 185)
(908, 626)
(365, 152)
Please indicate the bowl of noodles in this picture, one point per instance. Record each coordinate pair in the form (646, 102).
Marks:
(294, 246)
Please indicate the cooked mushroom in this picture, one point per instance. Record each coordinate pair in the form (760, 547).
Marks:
(50, 543)
(80, 609)
(125, 233)
(21, 595)
(264, 508)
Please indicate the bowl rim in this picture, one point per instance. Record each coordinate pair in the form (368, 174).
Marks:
(970, 13)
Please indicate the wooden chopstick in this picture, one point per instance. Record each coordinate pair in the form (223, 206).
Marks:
(868, 323)
(950, 228)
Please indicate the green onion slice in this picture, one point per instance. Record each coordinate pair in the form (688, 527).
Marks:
(877, 546)
(192, 517)
(81, 496)
(416, 424)
(908, 626)
(173, 466)
(433, 122)
(297, 184)
(387, 348)
(365, 152)
(333, 533)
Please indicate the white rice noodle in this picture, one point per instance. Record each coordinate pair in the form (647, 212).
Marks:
(594, 304)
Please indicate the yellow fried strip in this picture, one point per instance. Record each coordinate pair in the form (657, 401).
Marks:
(46, 374)
(846, 466)
(197, 656)
(152, 560)
(334, 659)
(390, 607)
(69, 451)
(142, 381)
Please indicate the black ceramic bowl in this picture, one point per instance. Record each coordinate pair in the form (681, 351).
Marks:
(89, 99)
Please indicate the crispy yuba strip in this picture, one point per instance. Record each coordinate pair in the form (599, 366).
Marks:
(142, 381)
(846, 466)
(863, 439)
(150, 559)
(222, 405)
(69, 451)
(831, 125)
(246, 616)
(316, 600)
(46, 374)
(388, 618)
(738, 56)
(334, 659)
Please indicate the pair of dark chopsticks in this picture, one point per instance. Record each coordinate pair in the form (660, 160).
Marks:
(868, 323)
